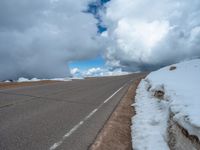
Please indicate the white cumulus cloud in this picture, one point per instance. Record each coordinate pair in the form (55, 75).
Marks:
(147, 34)
(74, 71)
(95, 72)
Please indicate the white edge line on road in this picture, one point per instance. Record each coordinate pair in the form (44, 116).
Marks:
(112, 95)
(55, 145)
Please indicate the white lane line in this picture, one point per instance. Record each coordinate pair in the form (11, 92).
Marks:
(54, 146)
(112, 95)
(73, 129)
(92, 113)
(57, 144)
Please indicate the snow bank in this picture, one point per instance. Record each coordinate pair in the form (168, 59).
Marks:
(150, 122)
(180, 84)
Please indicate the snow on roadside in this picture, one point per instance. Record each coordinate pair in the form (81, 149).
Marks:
(150, 122)
(181, 87)
(22, 79)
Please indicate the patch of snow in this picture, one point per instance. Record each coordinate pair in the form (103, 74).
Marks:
(150, 123)
(60, 79)
(22, 79)
(181, 96)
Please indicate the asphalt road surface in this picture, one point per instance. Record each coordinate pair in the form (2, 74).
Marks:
(61, 115)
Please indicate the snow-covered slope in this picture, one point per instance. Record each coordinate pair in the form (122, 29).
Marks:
(180, 85)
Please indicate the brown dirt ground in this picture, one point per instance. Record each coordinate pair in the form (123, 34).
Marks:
(116, 133)
(23, 84)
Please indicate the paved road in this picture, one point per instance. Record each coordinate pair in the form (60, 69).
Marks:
(61, 116)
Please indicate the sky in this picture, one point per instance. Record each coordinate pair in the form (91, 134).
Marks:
(87, 64)
(58, 38)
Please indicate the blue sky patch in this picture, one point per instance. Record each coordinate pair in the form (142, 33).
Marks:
(87, 64)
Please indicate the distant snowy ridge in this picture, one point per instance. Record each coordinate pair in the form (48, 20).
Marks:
(22, 79)
(93, 72)
(180, 85)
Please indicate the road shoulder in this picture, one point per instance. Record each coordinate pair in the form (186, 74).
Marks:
(116, 133)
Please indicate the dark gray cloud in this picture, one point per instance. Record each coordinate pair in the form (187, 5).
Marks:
(38, 38)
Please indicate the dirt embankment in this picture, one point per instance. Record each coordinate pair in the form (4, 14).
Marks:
(179, 137)
(116, 133)
(9, 85)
